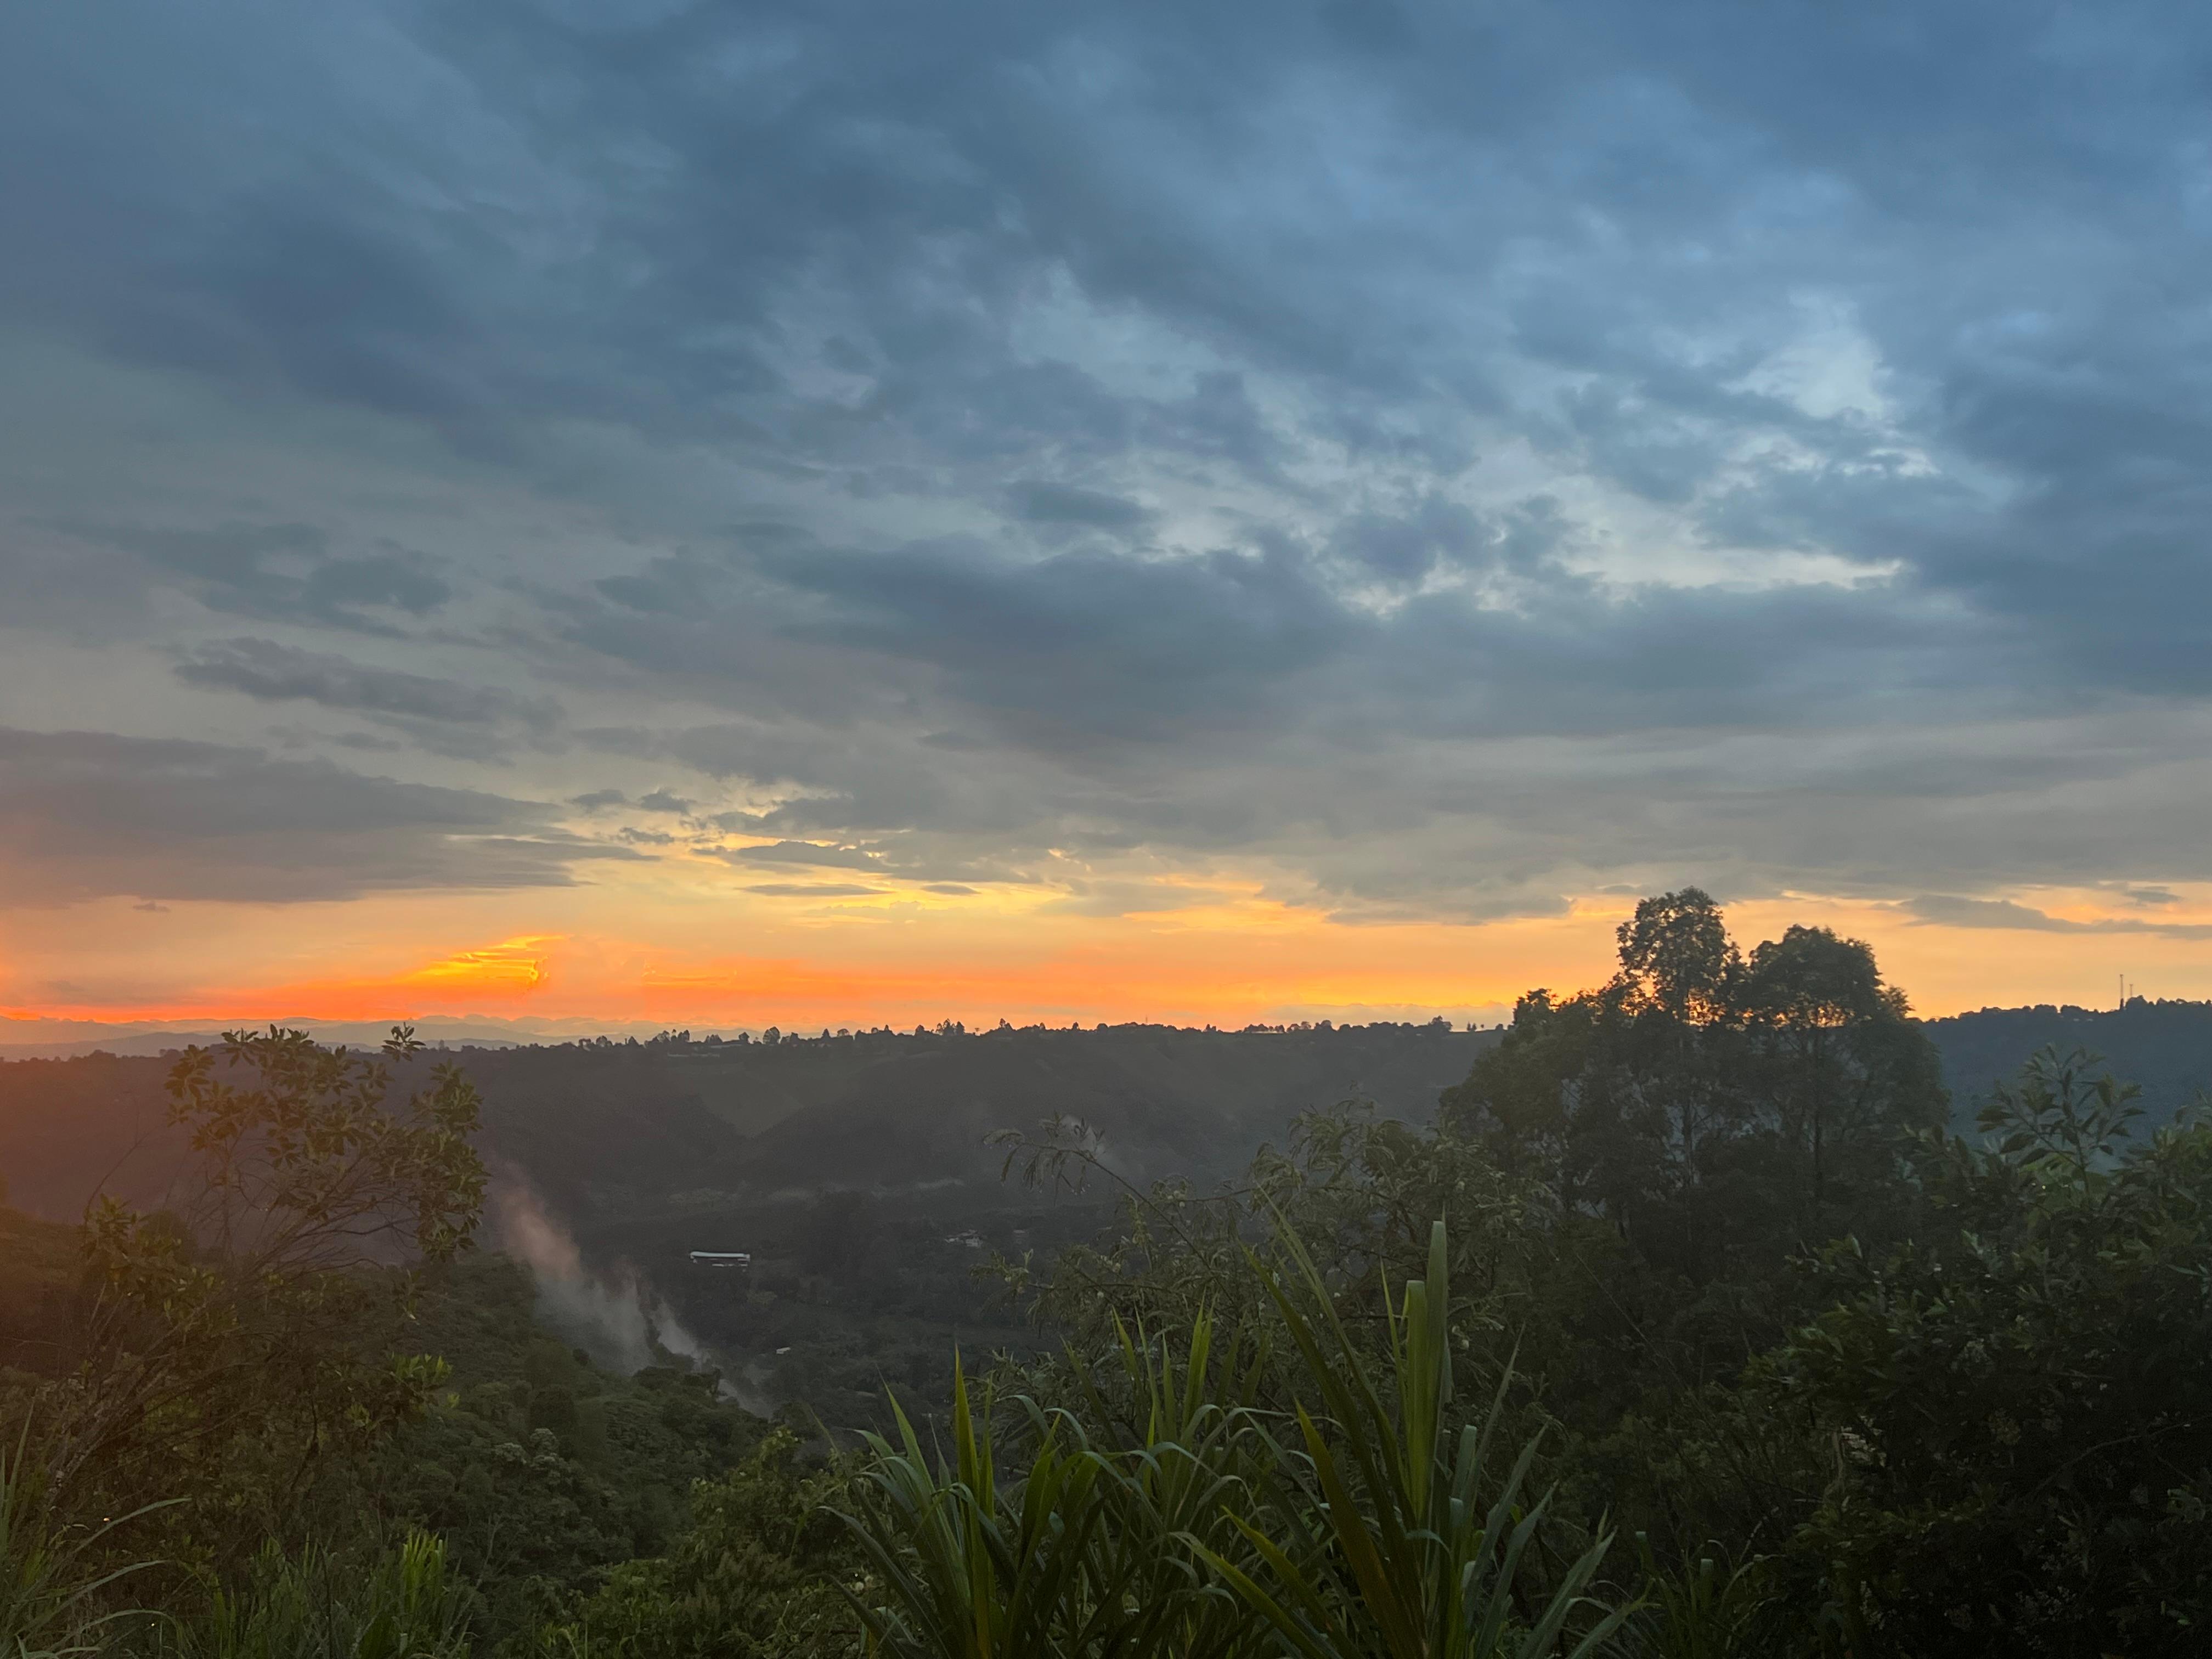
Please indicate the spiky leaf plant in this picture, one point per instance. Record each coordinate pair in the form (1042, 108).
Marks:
(1079, 1556)
(1698, 1611)
(405, 1605)
(1388, 1538)
(52, 1577)
(1171, 1521)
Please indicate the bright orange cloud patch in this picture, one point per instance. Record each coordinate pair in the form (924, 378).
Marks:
(515, 968)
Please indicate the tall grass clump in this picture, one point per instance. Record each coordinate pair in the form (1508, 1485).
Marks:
(1082, 1553)
(405, 1604)
(1387, 1534)
(53, 1576)
(1192, 1521)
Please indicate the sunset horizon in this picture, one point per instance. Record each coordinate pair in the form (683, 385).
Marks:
(1243, 961)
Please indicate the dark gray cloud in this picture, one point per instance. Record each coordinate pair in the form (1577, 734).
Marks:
(282, 571)
(277, 673)
(1064, 505)
(2003, 914)
(1444, 457)
(443, 716)
(88, 815)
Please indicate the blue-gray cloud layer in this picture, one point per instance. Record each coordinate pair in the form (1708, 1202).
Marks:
(1449, 455)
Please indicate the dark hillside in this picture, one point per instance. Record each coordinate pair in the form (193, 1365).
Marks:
(1165, 1100)
(606, 1129)
(71, 1127)
(612, 1131)
(2165, 1046)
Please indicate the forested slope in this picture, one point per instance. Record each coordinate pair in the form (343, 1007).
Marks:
(606, 1130)
(2165, 1048)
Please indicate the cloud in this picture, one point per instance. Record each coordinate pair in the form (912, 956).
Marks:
(2149, 897)
(1950, 912)
(800, 890)
(804, 852)
(1057, 504)
(87, 814)
(443, 716)
(282, 571)
(272, 673)
(1457, 460)
(1122, 899)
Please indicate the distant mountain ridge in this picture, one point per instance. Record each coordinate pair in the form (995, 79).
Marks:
(2164, 1046)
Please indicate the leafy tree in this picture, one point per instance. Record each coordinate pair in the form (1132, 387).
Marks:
(840, 1231)
(1846, 1070)
(1676, 957)
(1359, 1193)
(234, 1345)
(1981, 1420)
(1718, 1112)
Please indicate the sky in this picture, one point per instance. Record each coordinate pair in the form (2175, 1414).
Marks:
(630, 512)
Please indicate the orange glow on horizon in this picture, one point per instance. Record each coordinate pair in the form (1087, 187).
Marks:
(611, 958)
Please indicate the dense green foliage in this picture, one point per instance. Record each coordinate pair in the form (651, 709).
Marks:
(1685, 1329)
(757, 1569)
(539, 1469)
(2018, 1396)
